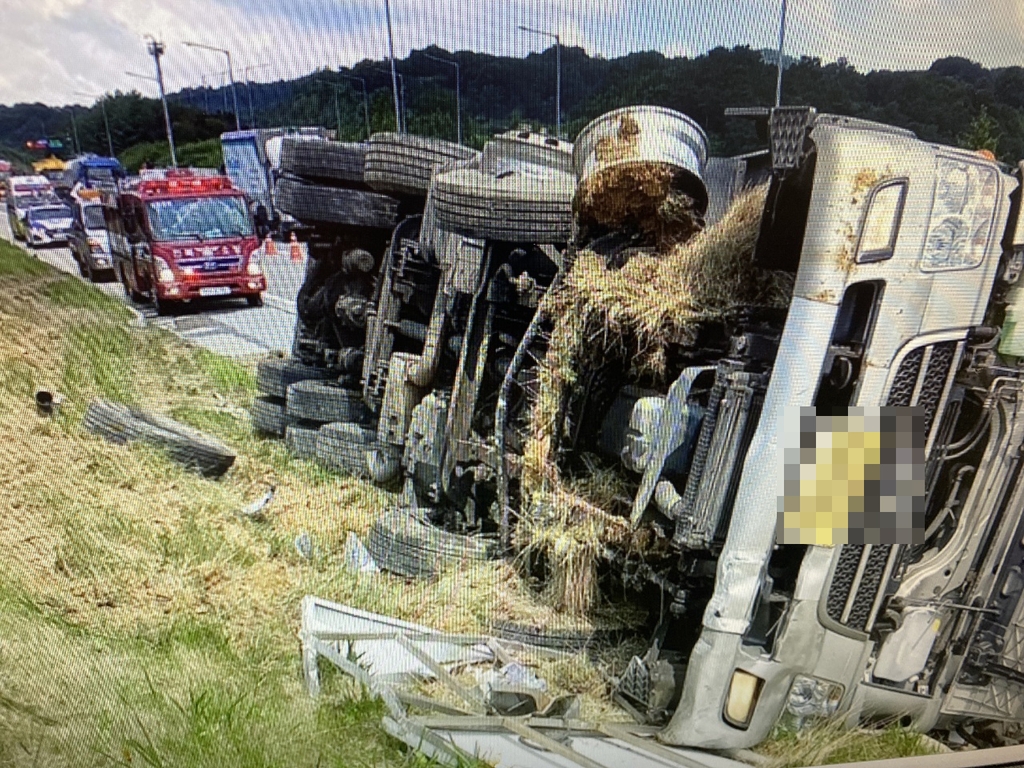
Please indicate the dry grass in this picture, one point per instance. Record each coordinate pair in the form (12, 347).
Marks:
(636, 314)
(124, 565)
(830, 742)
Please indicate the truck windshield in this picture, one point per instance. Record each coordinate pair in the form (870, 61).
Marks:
(49, 214)
(92, 216)
(203, 218)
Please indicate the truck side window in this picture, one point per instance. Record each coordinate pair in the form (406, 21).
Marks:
(882, 222)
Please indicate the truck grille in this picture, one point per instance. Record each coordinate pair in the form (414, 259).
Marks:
(861, 570)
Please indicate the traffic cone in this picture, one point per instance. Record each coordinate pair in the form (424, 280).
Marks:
(269, 246)
(296, 249)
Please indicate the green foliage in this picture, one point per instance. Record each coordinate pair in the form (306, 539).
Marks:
(14, 262)
(200, 154)
(982, 133)
(71, 293)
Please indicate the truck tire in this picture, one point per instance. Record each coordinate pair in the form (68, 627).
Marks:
(269, 416)
(351, 207)
(343, 446)
(274, 376)
(326, 401)
(398, 162)
(515, 208)
(403, 545)
(323, 160)
(301, 438)
(120, 424)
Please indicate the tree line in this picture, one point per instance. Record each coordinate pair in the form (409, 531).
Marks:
(955, 101)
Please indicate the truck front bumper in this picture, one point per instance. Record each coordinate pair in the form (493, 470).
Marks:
(235, 286)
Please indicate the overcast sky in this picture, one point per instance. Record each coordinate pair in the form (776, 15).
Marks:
(49, 49)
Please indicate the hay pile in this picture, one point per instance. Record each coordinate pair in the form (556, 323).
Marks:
(655, 302)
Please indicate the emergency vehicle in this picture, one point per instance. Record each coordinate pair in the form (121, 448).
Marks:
(179, 235)
(24, 192)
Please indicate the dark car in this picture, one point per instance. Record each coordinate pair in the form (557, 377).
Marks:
(90, 242)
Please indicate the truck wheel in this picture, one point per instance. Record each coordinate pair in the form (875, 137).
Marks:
(352, 207)
(254, 301)
(515, 208)
(162, 306)
(400, 543)
(269, 416)
(301, 438)
(274, 376)
(398, 162)
(326, 401)
(344, 447)
(326, 160)
(120, 424)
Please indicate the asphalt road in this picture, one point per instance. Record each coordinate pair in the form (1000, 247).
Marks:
(228, 327)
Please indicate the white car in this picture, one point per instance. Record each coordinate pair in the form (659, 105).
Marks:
(48, 225)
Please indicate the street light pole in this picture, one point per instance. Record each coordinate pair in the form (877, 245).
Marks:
(400, 113)
(458, 94)
(782, 40)
(558, 73)
(366, 100)
(106, 123)
(74, 130)
(248, 90)
(394, 76)
(231, 75)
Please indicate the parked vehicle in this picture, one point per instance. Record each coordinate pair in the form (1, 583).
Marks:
(89, 240)
(48, 225)
(23, 192)
(178, 235)
(51, 168)
(5, 174)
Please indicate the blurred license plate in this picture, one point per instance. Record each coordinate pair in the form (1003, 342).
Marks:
(222, 290)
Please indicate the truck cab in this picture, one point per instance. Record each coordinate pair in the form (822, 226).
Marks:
(88, 239)
(24, 192)
(178, 235)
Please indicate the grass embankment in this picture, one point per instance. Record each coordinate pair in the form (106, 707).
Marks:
(142, 621)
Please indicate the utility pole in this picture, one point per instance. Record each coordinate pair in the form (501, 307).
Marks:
(248, 90)
(400, 113)
(206, 97)
(458, 93)
(156, 50)
(231, 75)
(337, 108)
(782, 41)
(558, 73)
(394, 76)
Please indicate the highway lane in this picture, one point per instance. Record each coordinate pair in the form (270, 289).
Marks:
(228, 327)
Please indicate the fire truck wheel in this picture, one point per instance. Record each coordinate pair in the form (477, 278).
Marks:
(269, 416)
(400, 543)
(162, 307)
(320, 159)
(254, 301)
(351, 207)
(274, 376)
(301, 438)
(193, 449)
(326, 401)
(398, 162)
(513, 208)
(343, 446)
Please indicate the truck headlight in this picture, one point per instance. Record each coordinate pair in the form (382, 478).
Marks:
(163, 271)
(810, 697)
(254, 267)
(744, 690)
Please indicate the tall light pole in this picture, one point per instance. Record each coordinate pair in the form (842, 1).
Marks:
(782, 41)
(74, 129)
(394, 75)
(558, 74)
(401, 114)
(248, 90)
(458, 93)
(337, 108)
(156, 50)
(231, 74)
(366, 100)
(106, 122)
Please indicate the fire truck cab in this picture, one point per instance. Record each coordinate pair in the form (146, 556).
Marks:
(179, 235)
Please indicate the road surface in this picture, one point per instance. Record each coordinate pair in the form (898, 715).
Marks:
(228, 327)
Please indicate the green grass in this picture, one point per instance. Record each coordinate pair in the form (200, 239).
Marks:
(14, 263)
(830, 742)
(71, 293)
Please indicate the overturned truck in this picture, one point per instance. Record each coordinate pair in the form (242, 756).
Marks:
(664, 355)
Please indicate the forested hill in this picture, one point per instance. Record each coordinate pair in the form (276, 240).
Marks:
(954, 102)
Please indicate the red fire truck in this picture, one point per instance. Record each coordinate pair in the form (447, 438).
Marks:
(180, 235)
